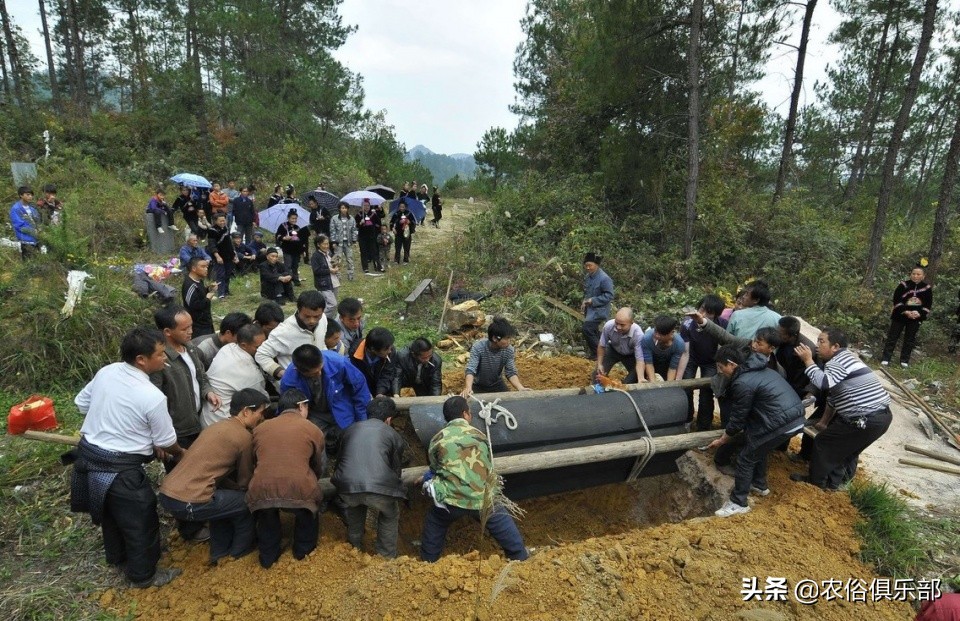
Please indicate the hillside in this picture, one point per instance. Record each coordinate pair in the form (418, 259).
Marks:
(442, 166)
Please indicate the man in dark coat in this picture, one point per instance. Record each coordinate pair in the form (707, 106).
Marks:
(276, 283)
(420, 368)
(224, 255)
(244, 215)
(368, 475)
(763, 407)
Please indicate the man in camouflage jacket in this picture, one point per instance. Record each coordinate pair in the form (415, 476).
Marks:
(459, 479)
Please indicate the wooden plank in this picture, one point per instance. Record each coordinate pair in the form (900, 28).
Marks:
(420, 288)
(405, 403)
(929, 465)
(950, 459)
(560, 305)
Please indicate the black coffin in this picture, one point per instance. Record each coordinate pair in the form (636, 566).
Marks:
(554, 423)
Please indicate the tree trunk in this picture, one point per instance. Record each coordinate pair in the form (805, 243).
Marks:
(16, 71)
(896, 138)
(51, 68)
(786, 157)
(693, 124)
(941, 220)
(6, 77)
(193, 39)
(879, 78)
(79, 58)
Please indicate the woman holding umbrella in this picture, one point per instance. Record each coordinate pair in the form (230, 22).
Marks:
(292, 240)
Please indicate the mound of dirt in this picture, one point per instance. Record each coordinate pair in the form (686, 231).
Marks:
(688, 570)
(596, 557)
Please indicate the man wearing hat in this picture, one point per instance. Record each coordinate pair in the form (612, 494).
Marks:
(276, 282)
(245, 254)
(259, 248)
(597, 295)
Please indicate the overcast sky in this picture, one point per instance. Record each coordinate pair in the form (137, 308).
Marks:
(443, 69)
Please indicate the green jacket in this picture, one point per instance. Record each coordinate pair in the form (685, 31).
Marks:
(461, 463)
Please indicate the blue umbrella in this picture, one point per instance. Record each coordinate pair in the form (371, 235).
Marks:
(195, 181)
(413, 206)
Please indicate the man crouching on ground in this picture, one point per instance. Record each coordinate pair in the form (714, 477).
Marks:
(460, 472)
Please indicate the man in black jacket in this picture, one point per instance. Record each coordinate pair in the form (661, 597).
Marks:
(244, 214)
(197, 295)
(419, 367)
(368, 227)
(221, 249)
(276, 283)
(375, 358)
(372, 457)
(765, 409)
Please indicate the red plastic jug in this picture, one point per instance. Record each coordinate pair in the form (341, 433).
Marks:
(35, 413)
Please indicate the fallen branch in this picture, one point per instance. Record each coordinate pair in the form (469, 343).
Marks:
(950, 459)
(952, 438)
(557, 303)
(929, 465)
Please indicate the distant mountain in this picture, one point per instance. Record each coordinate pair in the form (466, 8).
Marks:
(443, 166)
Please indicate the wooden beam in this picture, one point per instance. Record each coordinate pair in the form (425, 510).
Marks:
(405, 403)
(558, 304)
(929, 465)
(952, 438)
(950, 459)
(545, 460)
(56, 438)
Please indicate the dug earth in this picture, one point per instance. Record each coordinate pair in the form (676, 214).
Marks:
(596, 556)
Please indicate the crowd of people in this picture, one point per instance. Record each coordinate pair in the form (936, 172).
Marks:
(760, 374)
(249, 418)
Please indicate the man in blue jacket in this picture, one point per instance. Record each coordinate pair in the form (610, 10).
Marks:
(765, 409)
(24, 219)
(337, 391)
(597, 295)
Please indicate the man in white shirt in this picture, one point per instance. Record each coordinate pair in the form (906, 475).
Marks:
(126, 424)
(308, 326)
(233, 370)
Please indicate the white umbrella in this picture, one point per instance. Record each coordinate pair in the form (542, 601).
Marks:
(272, 217)
(356, 198)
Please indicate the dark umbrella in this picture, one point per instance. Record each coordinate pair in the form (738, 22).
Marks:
(413, 206)
(324, 199)
(382, 190)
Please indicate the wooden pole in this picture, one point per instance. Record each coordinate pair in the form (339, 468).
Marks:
(929, 465)
(560, 305)
(950, 459)
(446, 302)
(952, 437)
(405, 403)
(544, 460)
(56, 438)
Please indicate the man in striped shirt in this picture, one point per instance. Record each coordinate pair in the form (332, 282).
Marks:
(858, 410)
(491, 359)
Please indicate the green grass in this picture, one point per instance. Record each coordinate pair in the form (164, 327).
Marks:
(50, 559)
(890, 532)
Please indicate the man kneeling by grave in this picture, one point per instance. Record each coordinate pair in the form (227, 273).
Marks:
(765, 409)
(210, 481)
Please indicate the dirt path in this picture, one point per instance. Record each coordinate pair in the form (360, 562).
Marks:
(926, 489)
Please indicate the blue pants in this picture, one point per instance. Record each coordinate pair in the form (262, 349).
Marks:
(231, 524)
(500, 525)
(223, 273)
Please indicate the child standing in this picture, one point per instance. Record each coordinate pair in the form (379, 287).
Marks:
(384, 241)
